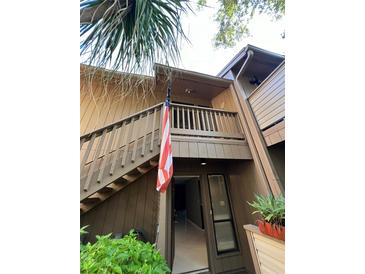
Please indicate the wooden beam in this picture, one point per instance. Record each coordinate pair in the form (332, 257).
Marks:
(256, 142)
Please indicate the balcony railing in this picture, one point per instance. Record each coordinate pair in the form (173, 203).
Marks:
(268, 100)
(138, 136)
(204, 122)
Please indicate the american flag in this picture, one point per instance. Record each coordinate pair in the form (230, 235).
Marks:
(165, 169)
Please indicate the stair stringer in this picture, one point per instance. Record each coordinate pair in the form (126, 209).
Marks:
(122, 175)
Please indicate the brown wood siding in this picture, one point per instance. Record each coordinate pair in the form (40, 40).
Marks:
(268, 100)
(209, 148)
(224, 100)
(244, 182)
(102, 104)
(275, 134)
(277, 155)
(133, 207)
(265, 168)
(268, 252)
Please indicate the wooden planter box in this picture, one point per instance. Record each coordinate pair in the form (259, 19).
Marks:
(268, 254)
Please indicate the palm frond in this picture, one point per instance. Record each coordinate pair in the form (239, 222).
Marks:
(131, 35)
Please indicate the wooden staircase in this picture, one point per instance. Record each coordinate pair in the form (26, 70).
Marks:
(116, 155)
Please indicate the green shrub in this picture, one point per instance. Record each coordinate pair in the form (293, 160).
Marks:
(271, 209)
(127, 255)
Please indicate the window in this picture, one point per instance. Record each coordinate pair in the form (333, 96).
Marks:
(225, 235)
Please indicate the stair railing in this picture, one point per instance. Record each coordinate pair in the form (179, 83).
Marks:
(104, 146)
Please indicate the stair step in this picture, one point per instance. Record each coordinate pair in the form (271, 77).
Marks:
(142, 170)
(130, 178)
(107, 191)
(153, 163)
(91, 200)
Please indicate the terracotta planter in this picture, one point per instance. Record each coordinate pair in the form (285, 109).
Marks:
(272, 230)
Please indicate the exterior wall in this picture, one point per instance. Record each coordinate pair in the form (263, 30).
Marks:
(133, 207)
(247, 86)
(277, 154)
(270, 178)
(244, 182)
(224, 100)
(183, 147)
(275, 134)
(268, 100)
(101, 105)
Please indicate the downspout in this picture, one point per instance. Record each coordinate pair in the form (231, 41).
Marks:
(244, 66)
(273, 187)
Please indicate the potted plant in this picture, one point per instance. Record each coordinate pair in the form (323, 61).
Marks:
(272, 212)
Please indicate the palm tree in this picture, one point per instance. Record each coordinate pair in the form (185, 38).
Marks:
(131, 35)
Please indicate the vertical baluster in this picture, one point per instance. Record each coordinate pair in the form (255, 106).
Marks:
(106, 154)
(228, 122)
(128, 140)
(153, 129)
(178, 117)
(193, 118)
(212, 119)
(160, 127)
(119, 145)
(87, 152)
(96, 156)
(232, 122)
(145, 132)
(188, 112)
(235, 123)
(218, 126)
(172, 116)
(221, 119)
(207, 117)
(238, 124)
(183, 117)
(198, 119)
(136, 139)
(203, 121)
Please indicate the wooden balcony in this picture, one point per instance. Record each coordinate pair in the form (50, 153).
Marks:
(198, 132)
(118, 154)
(268, 105)
(268, 100)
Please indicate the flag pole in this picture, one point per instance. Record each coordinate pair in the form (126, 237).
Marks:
(168, 96)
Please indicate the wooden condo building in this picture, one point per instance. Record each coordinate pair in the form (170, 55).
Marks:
(228, 143)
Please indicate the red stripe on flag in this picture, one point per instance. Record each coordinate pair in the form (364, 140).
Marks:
(165, 168)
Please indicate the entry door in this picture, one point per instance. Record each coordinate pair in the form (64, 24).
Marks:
(223, 247)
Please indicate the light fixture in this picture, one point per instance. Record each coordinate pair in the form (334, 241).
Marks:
(203, 162)
(188, 91)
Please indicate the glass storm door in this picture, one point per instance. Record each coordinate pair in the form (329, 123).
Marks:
(224, 232)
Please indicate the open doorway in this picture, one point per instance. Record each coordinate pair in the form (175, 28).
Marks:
(189, 229)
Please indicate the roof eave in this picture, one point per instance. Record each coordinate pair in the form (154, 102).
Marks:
(187, 74)
(241, 54)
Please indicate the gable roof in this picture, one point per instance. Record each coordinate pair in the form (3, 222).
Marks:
(243, 52)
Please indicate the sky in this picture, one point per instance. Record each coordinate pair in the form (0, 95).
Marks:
(202, 56)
